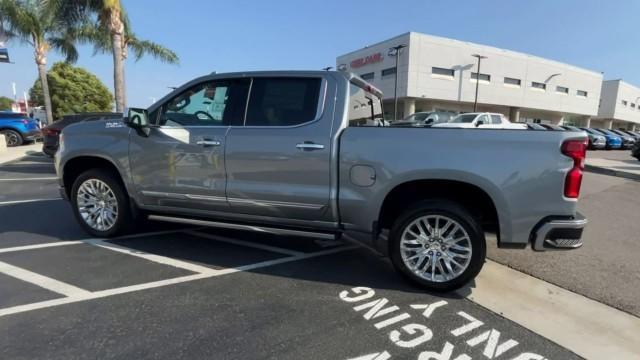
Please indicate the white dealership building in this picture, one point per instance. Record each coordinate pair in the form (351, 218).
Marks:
(436, 73)
(619, 106)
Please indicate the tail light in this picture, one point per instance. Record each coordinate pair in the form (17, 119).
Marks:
(576, 150)
(50, 132)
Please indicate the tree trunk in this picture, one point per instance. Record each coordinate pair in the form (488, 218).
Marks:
(41, 61)
(117, 30)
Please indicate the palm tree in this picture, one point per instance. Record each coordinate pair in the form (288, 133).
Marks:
(112, 33)
(30, 22)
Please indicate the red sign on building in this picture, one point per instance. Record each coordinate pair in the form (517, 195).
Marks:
(370, 59)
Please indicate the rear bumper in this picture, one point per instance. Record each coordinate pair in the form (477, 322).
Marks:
(559, 233)
(32, 135)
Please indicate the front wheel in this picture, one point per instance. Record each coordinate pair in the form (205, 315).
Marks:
(13, 138)
(101, 204)
(438, 245)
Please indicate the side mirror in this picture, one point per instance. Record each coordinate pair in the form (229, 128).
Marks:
(138, 119)
(480, 122)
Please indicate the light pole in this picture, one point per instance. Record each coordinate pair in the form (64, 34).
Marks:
(479, 57)
(395, 51)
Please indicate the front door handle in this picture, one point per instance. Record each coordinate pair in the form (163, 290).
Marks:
(208, 142)
(309, 146)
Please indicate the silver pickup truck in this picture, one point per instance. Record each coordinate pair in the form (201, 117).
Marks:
(302, 154)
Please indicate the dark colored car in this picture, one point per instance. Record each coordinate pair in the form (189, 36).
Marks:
(552, 127)
(534, 126)
(635, 152)
(627, 140)
(18, 128)
(51, 133)
(635, 135)
(425, 119)
(596, 141)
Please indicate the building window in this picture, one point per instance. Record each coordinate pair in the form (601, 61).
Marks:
(582, 93)
(367, 76)
(443, 72)
(539, 86)
(389, 71)
(512, 81)
(633, 106)
(562, 90)
(624, 102)
(481, 76)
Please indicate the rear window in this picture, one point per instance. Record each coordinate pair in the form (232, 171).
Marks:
(283, 101)
(365, 109)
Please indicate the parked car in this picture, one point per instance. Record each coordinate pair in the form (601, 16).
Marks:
(624, 142)
(51, 133)
(481, 120)
(635, 151)
(553, 127)
(18, 128)
(627, 140)
(285, 152)
(596, 142)
(428, 118)
(635, 134)
(613, 141)
(534, 126)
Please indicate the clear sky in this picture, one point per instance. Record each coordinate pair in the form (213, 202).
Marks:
(223, 36)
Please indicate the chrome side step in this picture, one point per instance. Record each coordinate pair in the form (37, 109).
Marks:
(262, 229)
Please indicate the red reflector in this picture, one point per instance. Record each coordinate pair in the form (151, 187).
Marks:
(576, 150)
(46, 131)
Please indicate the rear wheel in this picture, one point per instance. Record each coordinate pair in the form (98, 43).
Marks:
(438, 245)
(101, 204)
(13, 138)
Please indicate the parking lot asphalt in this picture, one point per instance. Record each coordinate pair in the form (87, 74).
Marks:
(171, 292)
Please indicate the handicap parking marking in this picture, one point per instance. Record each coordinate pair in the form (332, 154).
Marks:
(161, 283)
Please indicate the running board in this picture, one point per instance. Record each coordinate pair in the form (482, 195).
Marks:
(262, 229)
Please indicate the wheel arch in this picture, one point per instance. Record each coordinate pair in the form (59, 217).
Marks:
(73, 167)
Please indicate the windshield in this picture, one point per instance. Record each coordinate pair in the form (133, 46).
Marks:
(605, 131)
(463, 119)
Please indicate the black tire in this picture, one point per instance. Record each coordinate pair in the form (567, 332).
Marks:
(13, 138)
(124, 218)
(454, 212)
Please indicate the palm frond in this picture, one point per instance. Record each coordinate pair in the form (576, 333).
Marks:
(146, 47)
(66, 46)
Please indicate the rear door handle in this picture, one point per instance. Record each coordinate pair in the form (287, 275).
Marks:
(208, 142)
(309, 146)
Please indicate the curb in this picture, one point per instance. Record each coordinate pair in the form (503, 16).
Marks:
(611, 172)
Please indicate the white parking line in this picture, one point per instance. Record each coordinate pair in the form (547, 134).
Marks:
(588, 328)
(152, 257)
(245, 243)
(26, 201)
(42, 281)
(31, 179)
(84, 241)
(161, 283)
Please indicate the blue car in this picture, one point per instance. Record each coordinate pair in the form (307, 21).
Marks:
(613, 141)
(18, 128)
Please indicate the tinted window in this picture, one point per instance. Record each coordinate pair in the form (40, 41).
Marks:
(367, 76)
(496, 120)
(218, 103)
(13, 115)
(283, 101)
(365, 109)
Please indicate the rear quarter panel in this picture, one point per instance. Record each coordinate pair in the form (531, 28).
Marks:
(523, 171)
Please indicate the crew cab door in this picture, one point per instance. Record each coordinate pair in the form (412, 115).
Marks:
(279, 163)
(180, 164)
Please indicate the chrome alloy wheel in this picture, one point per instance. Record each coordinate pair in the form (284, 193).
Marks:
(97, 204)
(436, 248)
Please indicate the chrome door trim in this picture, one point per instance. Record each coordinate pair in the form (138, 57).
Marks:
(183, 196)
(263, 229)
(208, 142)
(264, 203)
(309, 146)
